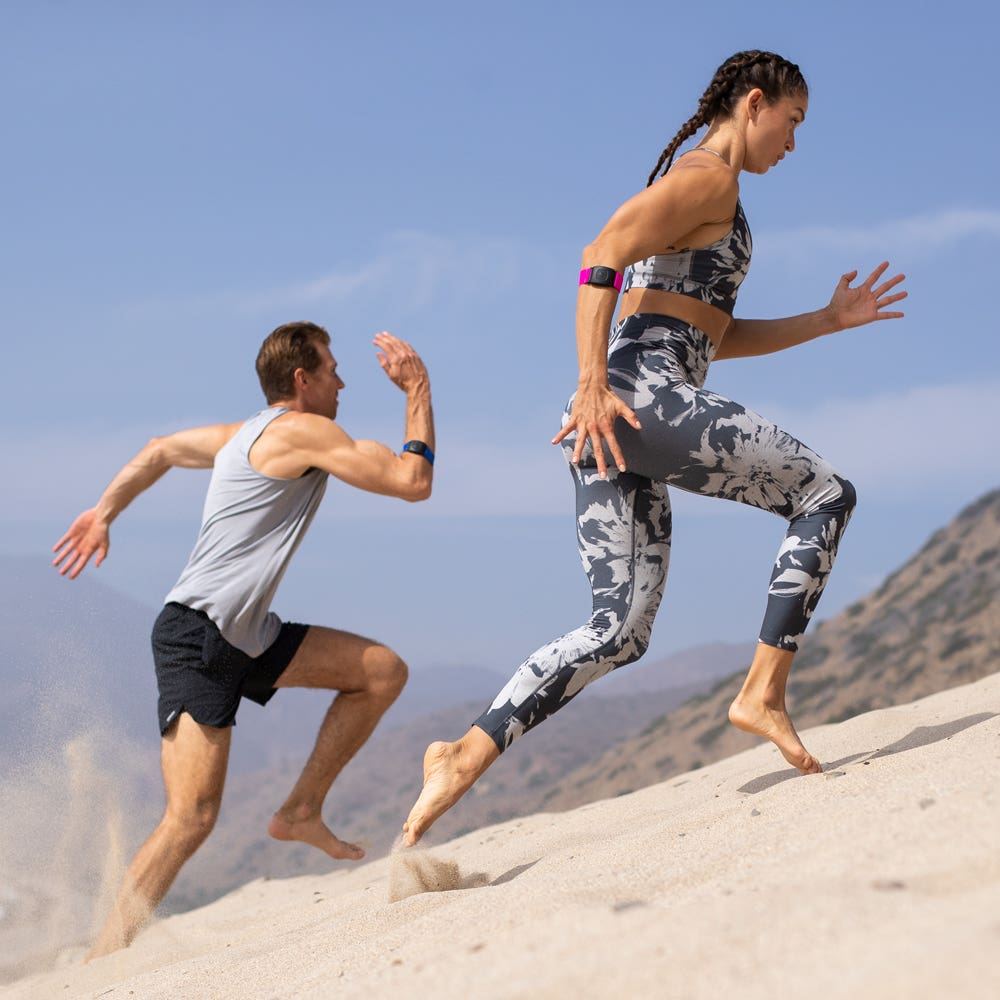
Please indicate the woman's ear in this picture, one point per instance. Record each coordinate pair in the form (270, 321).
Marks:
(753, 101)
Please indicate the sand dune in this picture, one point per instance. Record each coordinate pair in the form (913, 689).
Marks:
(879, 878)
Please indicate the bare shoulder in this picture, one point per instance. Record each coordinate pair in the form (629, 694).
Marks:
(295, 442)
(297, 429)
(711, 169)
(704, 179)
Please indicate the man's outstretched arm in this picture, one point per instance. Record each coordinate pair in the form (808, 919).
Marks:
(89, 534)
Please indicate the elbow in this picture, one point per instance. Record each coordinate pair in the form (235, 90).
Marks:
(597, 252)
(415, 492)
(412, 479)
(156, 453)
(607, 250)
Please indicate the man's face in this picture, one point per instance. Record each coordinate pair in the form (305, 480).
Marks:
(323, 385)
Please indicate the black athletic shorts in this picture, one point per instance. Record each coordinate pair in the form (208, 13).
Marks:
(198, 672)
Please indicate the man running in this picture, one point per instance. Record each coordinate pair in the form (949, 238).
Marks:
(216, 639)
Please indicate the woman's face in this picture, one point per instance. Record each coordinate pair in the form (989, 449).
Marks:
(771, 129)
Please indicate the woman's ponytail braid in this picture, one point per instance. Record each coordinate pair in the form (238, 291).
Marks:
(737, 76)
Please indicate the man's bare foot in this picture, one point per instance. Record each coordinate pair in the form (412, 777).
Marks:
(775, 725)
(310, 829)
(450, 770)
(127, 918)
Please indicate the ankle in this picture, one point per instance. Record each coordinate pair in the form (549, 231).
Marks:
(298, 812)
(767, 696)
(475, 751)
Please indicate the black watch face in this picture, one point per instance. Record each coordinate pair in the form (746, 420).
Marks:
(602, 276)
(417, 447)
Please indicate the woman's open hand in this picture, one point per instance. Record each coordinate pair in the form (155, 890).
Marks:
(595, 410)
(865, 303)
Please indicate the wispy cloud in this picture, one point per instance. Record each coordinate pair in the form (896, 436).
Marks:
(333, 287)
(415, 271)
(411, 272)
(925, 233)
(419, 270)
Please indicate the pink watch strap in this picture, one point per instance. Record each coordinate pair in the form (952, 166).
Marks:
(587, 272)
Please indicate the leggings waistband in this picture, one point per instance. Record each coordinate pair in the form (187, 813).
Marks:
(634, 326)
(688, 348)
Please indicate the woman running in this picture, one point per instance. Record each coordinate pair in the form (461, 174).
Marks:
(684, 247)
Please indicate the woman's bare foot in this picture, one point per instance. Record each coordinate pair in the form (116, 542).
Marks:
(774, 724)
(308, 828)
(450, 770)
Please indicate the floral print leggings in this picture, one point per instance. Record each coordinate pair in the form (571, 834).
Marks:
(698, 441)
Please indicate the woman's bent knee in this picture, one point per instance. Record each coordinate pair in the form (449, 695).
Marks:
(832, 495)
(629, 646)
(849, 496)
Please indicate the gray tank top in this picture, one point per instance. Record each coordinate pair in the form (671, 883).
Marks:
(250, 528)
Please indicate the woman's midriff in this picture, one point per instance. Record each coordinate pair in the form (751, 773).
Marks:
(711, 321)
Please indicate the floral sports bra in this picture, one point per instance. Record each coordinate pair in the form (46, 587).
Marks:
(712, 274)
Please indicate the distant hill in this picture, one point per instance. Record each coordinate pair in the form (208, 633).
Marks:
(73, 654)
(933, 624)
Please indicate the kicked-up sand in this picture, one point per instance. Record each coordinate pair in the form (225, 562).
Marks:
(879, 878)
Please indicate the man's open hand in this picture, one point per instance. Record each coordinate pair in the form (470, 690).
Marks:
(87, 535)
(400, 362)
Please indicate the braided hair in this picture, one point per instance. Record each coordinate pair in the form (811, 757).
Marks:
(737, 76)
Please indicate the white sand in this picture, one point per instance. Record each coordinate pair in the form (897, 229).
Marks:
(879, 878)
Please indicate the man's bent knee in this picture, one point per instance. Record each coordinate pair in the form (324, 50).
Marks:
(386, 673)
(189, 828)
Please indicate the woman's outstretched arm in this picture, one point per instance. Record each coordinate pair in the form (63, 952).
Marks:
(848, 308)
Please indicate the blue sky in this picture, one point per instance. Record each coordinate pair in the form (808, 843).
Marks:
(179, 179)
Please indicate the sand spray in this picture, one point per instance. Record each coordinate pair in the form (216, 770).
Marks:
(66, 842)
(413, 870)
